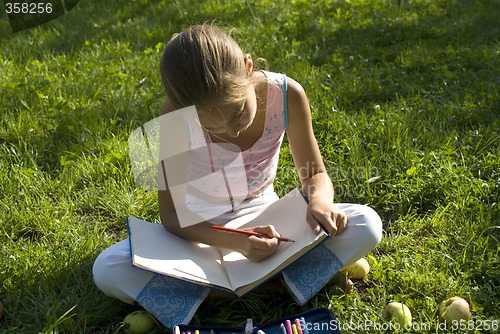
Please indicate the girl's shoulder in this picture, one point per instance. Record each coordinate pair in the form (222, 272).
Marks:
(274, 77)
(282, 80)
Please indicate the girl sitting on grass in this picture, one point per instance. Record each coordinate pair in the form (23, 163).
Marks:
(250, 110)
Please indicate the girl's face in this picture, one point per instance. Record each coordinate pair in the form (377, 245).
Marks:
(234, 119)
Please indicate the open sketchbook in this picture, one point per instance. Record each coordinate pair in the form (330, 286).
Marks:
(154, 248)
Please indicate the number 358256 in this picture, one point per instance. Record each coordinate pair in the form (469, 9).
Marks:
(28, 8)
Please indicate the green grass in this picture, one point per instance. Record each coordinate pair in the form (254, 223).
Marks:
(405, 97)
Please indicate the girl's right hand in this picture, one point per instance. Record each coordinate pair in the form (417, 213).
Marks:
(257, 249)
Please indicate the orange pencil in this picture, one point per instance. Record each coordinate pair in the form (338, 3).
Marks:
(257, 234)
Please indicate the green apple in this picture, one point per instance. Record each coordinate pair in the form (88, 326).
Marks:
(454, 309)
(398, 312)
(138, 322)
(357, 270)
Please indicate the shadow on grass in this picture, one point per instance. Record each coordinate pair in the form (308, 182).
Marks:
(444, 54)
(140, 24)
(47, 298)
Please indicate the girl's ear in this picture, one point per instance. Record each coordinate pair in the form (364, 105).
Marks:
(249, 64)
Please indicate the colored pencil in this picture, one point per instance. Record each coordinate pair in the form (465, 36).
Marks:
(299, 326)
(288, 326)
(283, 329)
(304, 325)
(257, 234)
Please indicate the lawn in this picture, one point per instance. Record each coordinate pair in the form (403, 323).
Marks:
(405, 96)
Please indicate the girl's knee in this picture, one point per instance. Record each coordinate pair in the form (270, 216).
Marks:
(372, 223)
(115, 276)
(364, 226)
(108, 269)
(100, 272)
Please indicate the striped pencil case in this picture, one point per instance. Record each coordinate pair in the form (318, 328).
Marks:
(315, 321)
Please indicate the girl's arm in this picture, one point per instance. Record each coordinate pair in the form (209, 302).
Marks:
(315, 181)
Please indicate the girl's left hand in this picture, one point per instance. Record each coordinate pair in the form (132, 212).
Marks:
(326, 214)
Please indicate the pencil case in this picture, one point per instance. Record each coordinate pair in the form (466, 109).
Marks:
(315, 321)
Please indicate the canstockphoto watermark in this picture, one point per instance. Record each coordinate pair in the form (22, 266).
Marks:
(358, 326)
(424, 327)
(349, 182)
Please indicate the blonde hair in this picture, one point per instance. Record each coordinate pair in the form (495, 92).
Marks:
(204, 66)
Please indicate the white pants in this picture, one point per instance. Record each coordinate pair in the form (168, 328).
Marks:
(115, 276)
